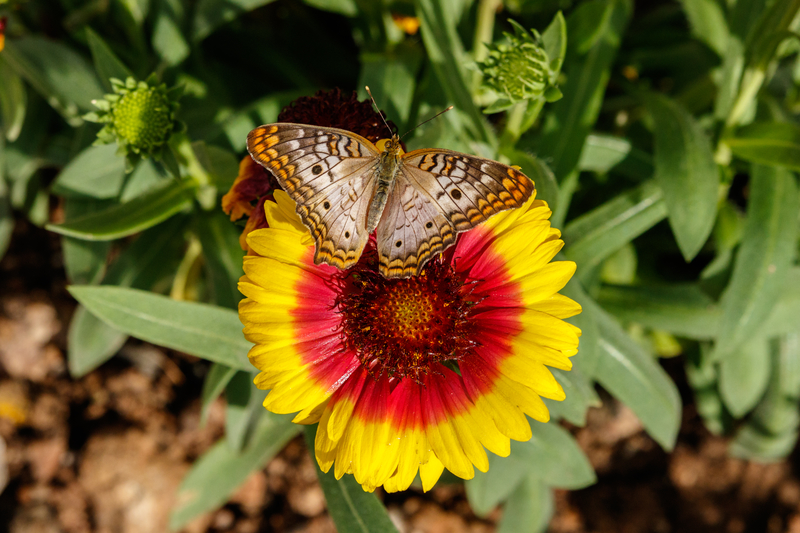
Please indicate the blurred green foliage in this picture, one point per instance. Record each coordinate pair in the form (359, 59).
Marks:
(669, 161)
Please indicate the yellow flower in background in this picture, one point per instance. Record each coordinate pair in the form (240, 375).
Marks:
(411, 375)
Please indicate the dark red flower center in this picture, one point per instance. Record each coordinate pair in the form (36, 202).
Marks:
(403, 327)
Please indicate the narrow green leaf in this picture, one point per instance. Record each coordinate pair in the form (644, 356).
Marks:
(603, 152)
(487, 489)
(198, 329)
(744, 375)
(210, 14)
(150, 258)
(106, 62)
(351, 508)
(6, 217)
(167, 39)
(244, 409)
(223, 254)
(220, 471)
(96, 172)
(90, 342)
(587, 69)
(763, 260)
(392, 78)
(599, 233)
(554, 41)
(446, 54)
(84, 261)
(13, 101)
(681, 309)
(768, 143)
(686, 172)
(633, 376)
(126, 219)
(348, 8)
(707, 20)
(579, 390)
(217, 379)
(553, 456)
(529, 508)
(63, 78)
(771, 432)
(145, 177)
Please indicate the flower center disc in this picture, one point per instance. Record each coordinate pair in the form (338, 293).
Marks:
(403, 326)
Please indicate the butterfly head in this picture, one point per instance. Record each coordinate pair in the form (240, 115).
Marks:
(391, 146)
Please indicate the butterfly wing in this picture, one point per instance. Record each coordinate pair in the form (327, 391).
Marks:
(438, 194)
(330, 174)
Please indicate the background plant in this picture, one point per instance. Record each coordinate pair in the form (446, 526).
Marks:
(669, 162)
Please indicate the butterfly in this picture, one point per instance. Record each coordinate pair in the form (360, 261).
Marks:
(346, 187)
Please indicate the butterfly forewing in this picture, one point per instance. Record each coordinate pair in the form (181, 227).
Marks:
(454, 192)
(329, 174)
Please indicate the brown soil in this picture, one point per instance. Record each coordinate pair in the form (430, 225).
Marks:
(106, 453)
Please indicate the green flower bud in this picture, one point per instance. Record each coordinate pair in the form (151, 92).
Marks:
(517, 69)
(139, 116)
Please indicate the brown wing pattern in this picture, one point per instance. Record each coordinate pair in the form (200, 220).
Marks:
(329, 174)
(453, 192)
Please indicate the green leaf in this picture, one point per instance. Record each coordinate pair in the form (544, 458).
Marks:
(446, 54)
(223, 255)
(603, 152)
(579, 390)
(106, 62)
(217, 379)
(348, 8)
(595, 235)
(529, 508)
(145, 177)
(96, 172)
(744, 375)
(686, 172)
(763, 260)
(768, 143)
(221, 470)
(58, 73)
(707, 20)
(90, 342)
(392, 78)
(351, 508)
(150, 258)
(167, 39)
(126, 219)
(554, 41)
(633, 376)
(771, 432)
(487, 489)
(243, 410)
(703, 376)
(210, 14)
(587, 69)
(681, 309)
(6, 218)
(198, 329)
(13, 100)
(553, 456)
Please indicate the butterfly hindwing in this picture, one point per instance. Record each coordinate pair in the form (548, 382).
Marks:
(452, 192)
(329, 174)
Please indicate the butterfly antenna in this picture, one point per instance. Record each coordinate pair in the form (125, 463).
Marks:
(379, 110)
(425, 122)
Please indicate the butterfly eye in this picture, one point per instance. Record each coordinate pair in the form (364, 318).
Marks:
(399, 244)
(429, 225)
(326, 205)
(456, 194)
(316, 169)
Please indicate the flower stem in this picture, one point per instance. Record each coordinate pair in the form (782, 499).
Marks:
(484, 31)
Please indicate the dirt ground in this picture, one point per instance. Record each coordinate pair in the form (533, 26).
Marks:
(106, 453)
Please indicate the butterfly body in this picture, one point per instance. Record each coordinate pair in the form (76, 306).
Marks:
(386, 174)
(416, 202)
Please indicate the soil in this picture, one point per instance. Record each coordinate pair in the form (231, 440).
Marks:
(105, 453)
